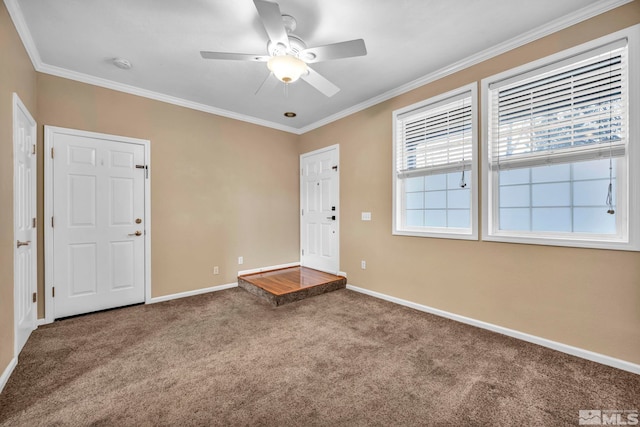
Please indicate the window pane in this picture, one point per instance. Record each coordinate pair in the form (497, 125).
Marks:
(516, 219)
(460, 199)
(414, 184)
(592, 193)
(436, 182)
(515, 196)
(415, 200)
(436, 218)
(551, 219)
(551, 173)
(435, 199)
(551, 194)
(514, 176)
(415, 218)
(459, 218)
(593, 169)
(594, 220)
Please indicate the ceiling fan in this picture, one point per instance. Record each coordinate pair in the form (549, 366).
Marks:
(288, 56)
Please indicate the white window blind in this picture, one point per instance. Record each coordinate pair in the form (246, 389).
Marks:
(570, 111)
(435, 138)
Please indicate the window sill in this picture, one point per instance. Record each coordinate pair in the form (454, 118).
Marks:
(449, 234)
(578, 242)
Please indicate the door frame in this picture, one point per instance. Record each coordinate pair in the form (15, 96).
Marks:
(335, 147)
(19, 105)
(49, 132)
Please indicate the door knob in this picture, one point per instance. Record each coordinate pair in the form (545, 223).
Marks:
(333, 217)
(19, 243)
(137, 233)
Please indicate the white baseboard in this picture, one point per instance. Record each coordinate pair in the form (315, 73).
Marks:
(7, 373)
(564, 348)
(191, 293)
(43, 321)
(273, 267)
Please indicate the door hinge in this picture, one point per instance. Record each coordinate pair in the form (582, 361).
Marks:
(34, 222)
(51, 222)
(34, 297)
(53, 291)
(301, 172)
(33, 149)
(52, 152)
(335, 168)
(302, 212)
(303, 252)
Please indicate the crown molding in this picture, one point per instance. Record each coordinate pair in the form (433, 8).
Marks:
(23, 31)
(556, 25)
(17, 17)
(134, 90)
(528, 37)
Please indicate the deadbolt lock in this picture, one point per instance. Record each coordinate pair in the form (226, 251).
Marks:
(138, 220)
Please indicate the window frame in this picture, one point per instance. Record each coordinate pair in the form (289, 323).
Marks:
(398, 208)
(629, 165)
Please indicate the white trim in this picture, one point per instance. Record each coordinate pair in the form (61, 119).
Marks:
(490, 231)
(7, 372)
(18, 105)
(554, 345)
(145, 93)
(470, 233)
(46, 223)
(336, 148)
(528, 37)
(15, 12)
(551, 27)
(270, 268)
(191, 293)
(49, 131)
(43, 321)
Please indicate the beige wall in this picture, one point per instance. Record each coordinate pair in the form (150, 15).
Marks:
(581, 297)
(220, 188)
(223, 188)
(16, 75)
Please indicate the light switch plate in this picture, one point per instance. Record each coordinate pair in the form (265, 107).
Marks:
(366, 216)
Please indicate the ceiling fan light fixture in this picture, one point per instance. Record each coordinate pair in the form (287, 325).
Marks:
(287, 68)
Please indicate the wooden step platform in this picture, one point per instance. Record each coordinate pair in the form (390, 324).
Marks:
(290, 284)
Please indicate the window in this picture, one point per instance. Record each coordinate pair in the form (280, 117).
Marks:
(434, 183)
(561, 157)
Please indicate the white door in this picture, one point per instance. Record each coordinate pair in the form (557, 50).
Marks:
(98, 222)
(24, 205)
(319, 209)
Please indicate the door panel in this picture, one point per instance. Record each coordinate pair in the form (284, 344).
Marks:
(319, 210)
(25, 262)
(121, 265)
(98, 258)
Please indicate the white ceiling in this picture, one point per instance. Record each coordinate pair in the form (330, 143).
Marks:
(408, 41)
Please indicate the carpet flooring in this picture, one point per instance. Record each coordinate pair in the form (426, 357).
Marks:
(342, 358)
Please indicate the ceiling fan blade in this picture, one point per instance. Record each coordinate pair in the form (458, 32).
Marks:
(322, 84)
(270, 82)
(234, 56)
(334, 51)
(272, 21)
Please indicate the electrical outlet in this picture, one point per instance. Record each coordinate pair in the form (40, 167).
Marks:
(363, 264)
(240, 260)
(216, 270)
